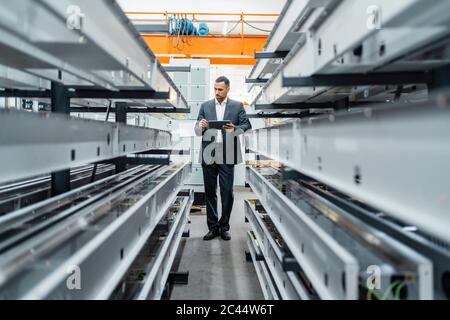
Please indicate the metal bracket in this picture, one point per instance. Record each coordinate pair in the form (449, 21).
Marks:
(279, 115)
(294, 106)
(123, 161)
(121, 94)
(271, 55)
(290, 264)
(186, 234)
(179, 277)
(258, 257)
(317, 105)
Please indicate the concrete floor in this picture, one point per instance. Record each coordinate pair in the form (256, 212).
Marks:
(217, 268)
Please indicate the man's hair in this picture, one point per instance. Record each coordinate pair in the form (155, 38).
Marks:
(223, 79)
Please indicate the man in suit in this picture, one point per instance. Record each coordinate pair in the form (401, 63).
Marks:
(221, 151)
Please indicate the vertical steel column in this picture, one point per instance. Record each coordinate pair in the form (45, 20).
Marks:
(121, 117)
(342, 104)
(441, 78)
(60, 103)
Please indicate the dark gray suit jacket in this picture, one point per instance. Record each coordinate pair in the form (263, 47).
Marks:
(234, 111)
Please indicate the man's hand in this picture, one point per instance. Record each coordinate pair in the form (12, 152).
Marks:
(229, 127)
(203, 124)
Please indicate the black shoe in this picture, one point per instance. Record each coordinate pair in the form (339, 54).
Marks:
(211, 235)
(225, 235)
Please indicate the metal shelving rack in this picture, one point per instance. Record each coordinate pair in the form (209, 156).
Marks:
(76, 57)
(363, 152)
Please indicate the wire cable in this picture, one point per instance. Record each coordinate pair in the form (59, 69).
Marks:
(388, 291)
(252, 26)
(234, 27)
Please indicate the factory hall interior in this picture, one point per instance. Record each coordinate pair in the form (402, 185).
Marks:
(225, 150)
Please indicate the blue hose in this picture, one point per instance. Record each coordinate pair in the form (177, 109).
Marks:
(203, 29)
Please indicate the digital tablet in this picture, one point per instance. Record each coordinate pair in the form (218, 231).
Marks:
(217, 124)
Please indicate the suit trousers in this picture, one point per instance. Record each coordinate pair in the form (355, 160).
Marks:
(226, 182)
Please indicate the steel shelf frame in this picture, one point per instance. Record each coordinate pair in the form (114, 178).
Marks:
(385, 156)
(78, 49)
(346, 230)
(341, 42)
(156, 278)
(288, 284)
(266, 282)
(106, 257)
(332, 269)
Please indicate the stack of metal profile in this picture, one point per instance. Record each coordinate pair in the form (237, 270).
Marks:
(82, 201)
(361, 195)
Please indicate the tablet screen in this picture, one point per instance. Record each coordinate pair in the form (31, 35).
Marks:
(217, 124)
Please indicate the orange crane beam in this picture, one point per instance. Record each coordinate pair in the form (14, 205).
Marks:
(231, 49)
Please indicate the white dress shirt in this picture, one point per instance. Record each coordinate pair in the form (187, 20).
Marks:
(220, 112)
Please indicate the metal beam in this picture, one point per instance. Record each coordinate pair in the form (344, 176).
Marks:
(121, 94)
(152, 28)
(382, 223)
(109, 252)
(121, 117)
(59, 142)
(15, 196)
(279, 115)
(271, 55)
(130, 110)
(316, 105)
(159, 274)
(348, 80)
(371, 155)
(148, 160)
(265, 280)
(392, 253)
(14, 78)
(13, 93)
(90, 94)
